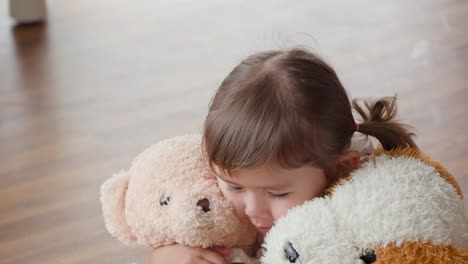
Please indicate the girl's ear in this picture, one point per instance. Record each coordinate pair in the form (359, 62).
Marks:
(113, 192)
(347, 162)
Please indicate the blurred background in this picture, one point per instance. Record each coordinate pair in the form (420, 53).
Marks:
(99, 81)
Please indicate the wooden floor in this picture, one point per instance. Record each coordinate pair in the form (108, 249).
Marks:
(81, 95)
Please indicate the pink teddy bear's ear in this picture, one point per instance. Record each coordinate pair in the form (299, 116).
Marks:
(113, 193)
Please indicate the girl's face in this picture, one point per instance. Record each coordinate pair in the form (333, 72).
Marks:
(263, 194)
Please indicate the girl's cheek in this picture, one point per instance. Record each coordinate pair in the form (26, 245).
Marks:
(279, 212)
(280, 208)
(236, 201)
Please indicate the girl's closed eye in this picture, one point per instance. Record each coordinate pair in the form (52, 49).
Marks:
(274, 195)
(278, 195)
(233, 188)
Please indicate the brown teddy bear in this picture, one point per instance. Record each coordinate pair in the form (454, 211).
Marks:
(169, 195)
(399, 207)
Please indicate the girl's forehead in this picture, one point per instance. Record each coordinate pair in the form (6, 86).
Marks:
(255, 183)
(270, 176)
(274, 170)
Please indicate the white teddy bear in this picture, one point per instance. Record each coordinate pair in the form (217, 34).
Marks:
(400, 207)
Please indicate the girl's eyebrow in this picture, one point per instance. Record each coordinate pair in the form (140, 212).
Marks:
(226, 180)
(271, 187)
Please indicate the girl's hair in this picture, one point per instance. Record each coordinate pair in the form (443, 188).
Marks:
(290, 107)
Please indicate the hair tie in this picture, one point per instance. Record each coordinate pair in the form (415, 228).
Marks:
(356, 127)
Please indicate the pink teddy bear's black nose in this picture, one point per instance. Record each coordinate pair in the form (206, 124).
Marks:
(204, 204)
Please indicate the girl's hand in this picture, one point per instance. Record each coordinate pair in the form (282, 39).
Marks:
(179, 254)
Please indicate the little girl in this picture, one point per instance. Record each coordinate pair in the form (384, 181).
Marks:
(278, 132)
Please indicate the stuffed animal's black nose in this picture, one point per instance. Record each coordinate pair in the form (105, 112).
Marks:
(369, 256)
(204, 204)
(291, 253)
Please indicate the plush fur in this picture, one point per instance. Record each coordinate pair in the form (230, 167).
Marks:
(401, 207)
(173, 171)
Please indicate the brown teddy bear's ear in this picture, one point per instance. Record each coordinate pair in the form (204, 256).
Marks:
(113, 193)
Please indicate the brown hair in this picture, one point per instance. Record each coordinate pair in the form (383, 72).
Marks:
(290, 107)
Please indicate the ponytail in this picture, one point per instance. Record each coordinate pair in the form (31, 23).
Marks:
(378, 121)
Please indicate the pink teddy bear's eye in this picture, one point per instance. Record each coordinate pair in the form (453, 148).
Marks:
(164, 200)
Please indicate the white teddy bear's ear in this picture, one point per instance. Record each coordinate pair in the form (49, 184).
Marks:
(113, 193)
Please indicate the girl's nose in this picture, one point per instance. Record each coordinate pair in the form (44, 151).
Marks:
(255, 207)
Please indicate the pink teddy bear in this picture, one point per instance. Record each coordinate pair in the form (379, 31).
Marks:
(169, 195)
